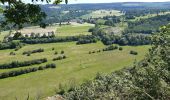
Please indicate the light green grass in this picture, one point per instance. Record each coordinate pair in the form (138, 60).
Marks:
(102, 13)
(79, 66)
(73, 30)
(149, 16)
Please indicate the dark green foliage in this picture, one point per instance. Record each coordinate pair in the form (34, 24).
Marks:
(33, 51)
(16, 64)
(93, 51)
(59, 58)
(125, 39)
(148, 26)
(56, 53)
(109, 23)
(147, 80)
(133, 52)
(110, 48)
(62, 52)
(16, 35)
(12, 53)
(64, 57)
(20, 13)
(10, 45)
(52, 40)
(53, 48)
(120, 48)
(86, 40)
(25, 71)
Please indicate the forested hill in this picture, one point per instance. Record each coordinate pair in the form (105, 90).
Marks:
(118, 6)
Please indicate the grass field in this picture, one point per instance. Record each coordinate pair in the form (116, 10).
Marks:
(73, 29)
(65, 30)
(78, 67)
(102, 13)
(149, 16)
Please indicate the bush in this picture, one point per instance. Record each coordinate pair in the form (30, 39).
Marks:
(53, 48)
(29, 54)
(10, 45)
(120, 48)
(93, 51)
(16, 64)
(24, 71)
(59, 58)
(52, 40)
(99, 51)
(33, 51)
(62, 52)
(12, 53)
(56, 53)
(110, 48)
(133, 52)
(64, 57)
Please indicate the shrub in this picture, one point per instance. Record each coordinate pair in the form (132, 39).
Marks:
(16, 64)
(56, 53)
(99, 51)
(110, 48)
(59, 58)
(53, 48)
(10, 45)
(33, 51)
(24, 71)
(64, 57)
(120, 48)
(93, 51)
(12, 53)
(62, 52)
(133, 52)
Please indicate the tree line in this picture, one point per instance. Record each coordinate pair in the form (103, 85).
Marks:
(16, 64)
(33, 51)
(25, 71)
(53, 40)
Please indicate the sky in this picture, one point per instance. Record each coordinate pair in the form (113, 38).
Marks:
(109, 1)
(102, 1)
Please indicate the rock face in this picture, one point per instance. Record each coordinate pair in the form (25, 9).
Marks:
(56, 97)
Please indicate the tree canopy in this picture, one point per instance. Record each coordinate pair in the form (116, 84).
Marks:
(17, 13)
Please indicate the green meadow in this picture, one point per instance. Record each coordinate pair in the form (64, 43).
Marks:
(79, 66)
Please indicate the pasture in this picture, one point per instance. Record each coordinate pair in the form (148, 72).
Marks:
(73, 29)
(77, 67)
(101, 13)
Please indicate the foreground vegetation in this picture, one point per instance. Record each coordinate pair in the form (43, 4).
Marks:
(146, 80)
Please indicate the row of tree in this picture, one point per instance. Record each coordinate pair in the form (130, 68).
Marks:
(33, 51)
(53, 40)
(10, 45)
(16, 64)
(59, 57)
(25, 71)
(87, 39)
